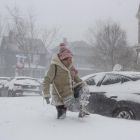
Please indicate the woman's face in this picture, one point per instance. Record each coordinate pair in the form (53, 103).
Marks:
(67, 62)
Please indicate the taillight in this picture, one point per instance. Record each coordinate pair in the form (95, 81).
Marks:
(17, 85)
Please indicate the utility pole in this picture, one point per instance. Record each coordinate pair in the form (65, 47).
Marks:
(137, 47)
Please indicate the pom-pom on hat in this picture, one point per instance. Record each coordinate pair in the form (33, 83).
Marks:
(64, 52)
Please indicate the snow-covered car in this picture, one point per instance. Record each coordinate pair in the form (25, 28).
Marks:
(41, 82)
(114, 94)
(16, 86)
(3, 80)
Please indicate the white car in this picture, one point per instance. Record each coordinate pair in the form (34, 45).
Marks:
(114, 94)
(16, 86)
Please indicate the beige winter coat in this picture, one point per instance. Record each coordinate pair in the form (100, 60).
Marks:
(63, 81)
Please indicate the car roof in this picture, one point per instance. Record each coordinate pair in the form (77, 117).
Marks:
(5, 77)
(124, 73)
(22, 77)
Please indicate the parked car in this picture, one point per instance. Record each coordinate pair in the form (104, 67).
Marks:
(41, 82)
(114, 94)
(16, 86)
(3, 80)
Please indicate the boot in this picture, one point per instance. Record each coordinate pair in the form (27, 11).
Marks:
(86, 113)
(61, 113)
(83, 112)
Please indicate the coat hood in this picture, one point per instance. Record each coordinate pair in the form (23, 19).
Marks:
(57, 61)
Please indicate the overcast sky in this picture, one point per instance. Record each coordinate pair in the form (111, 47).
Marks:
(75, 16)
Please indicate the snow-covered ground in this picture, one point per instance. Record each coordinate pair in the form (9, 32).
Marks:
(25, 118)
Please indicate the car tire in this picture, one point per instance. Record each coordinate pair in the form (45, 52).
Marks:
(124, 113)
(10, 94)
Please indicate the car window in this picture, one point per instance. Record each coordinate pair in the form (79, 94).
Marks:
(93, 80)
(111, 79)
(11, 79)
(135, 77)
(124, 79)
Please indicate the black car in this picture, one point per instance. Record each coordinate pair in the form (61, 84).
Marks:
(114, 94)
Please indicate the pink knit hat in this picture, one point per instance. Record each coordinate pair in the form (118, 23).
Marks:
(64, 52)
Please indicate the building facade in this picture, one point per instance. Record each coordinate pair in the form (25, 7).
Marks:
(34, 65)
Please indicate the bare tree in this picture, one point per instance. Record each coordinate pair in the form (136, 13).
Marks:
(2, 26)
(50, 35)
(110, 47)
(28, 33)
(23, 31)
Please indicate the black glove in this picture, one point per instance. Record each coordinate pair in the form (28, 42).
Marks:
(76, 91)
(47, 100)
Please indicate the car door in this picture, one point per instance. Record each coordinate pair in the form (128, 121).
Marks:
(103, 96)
(107, 95)
(94, 99)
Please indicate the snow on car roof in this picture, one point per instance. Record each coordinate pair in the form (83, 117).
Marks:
(125, 73)
(4, 77)
(22, 77)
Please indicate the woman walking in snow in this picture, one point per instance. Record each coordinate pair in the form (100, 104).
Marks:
(64, 78)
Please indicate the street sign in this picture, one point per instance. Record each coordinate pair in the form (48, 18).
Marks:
(20, 65)
(23, 57)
